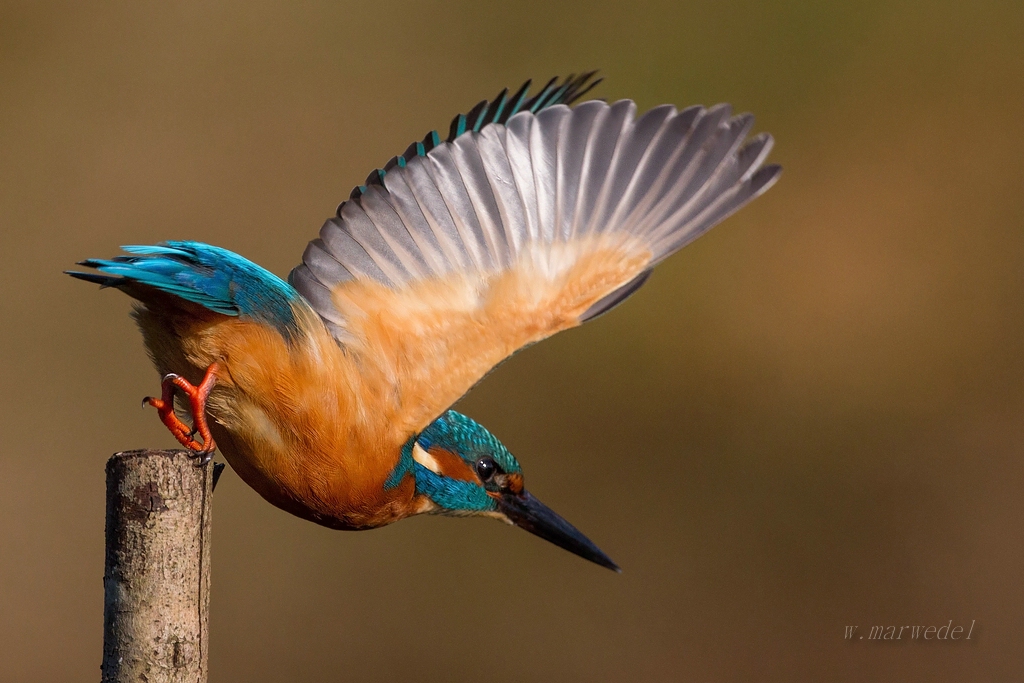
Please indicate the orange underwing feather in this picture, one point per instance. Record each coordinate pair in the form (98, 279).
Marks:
(423, 346)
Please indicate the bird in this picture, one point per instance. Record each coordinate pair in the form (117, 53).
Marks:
(330, 392)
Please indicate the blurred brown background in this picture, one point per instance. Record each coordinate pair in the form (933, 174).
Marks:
(811, 418)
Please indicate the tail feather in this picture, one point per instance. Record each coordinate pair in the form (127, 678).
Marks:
(102, 280)
(214, 278)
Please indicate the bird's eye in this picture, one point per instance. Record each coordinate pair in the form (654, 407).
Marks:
(486, 467)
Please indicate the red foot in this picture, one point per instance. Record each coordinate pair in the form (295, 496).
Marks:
(197, 401)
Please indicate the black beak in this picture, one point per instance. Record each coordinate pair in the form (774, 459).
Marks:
(526, 512)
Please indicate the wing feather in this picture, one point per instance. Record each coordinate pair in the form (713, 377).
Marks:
(338, 241)
(703, 157)
(726, 205)
(394, 232)
(452, 190)
(402, 202)
(628, 157)
(323, 265)
(357, 227)
(654, 183)
(571, 155)
(478, 187)
(424, 192)
(320, 298)
(606, 137)
(498, 168)
(547, 127)
(462, 251)
(517, 144)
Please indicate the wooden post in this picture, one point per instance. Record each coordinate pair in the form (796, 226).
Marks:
(156, 581)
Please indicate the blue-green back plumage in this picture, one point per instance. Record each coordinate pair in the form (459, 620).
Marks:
(215, 278)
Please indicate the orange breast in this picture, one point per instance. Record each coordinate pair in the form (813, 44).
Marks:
(295, 421)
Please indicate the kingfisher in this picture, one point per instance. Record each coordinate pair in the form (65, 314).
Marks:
(330, 393)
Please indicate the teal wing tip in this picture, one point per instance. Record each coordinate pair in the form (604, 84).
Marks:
(498, 110)
(503, 107)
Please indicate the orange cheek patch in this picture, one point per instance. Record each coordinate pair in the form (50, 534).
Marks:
(452, 466)
(514, 482)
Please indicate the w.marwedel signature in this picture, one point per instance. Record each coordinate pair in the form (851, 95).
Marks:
(947, 632)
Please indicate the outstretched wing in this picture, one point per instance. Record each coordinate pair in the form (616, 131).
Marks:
(512, 231)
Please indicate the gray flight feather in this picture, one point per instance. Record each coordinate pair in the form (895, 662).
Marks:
(476, 202)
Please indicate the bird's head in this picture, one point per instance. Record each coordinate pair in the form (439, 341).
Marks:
(465, 471)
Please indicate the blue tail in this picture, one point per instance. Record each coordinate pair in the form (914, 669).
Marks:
(215, 278)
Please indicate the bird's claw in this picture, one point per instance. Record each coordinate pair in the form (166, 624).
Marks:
(200, 451)
(201, 458)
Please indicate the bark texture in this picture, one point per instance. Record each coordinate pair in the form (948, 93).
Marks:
(157, 576)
